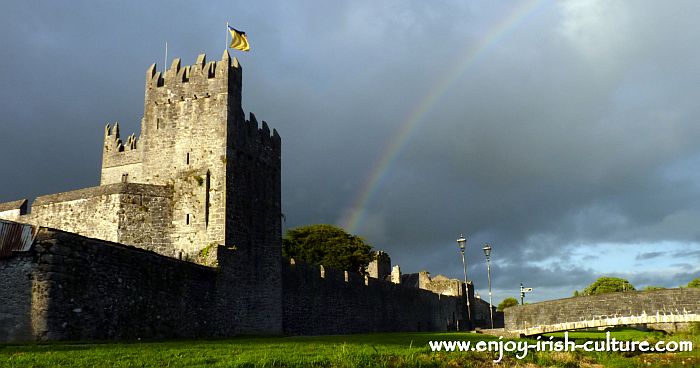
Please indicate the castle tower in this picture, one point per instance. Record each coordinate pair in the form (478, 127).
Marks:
(224, 174)
(224, 170)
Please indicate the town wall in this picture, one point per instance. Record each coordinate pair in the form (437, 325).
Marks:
(68, 286)
(321, 301)
(16, 296)
(72, 287)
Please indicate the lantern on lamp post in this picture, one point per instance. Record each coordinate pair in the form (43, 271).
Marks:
(462, 242)
(487, 253)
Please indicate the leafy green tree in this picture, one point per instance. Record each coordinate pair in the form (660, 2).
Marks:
(507, 303)
(608, 285)
(327, 245)
(694, 283)
(576, 293)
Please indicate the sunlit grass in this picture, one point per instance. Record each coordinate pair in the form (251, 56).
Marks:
(366, 350)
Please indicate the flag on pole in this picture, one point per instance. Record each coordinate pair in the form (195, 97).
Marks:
(238, 40)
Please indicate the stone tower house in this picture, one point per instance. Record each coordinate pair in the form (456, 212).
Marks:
(223, 170)
(200, 183)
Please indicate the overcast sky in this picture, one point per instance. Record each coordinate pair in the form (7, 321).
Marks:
(564, 133)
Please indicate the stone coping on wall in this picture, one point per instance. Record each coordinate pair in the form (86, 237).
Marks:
(118, 188)
(14, 205)
(630, 307)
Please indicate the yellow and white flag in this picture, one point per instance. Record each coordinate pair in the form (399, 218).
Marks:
(238, 40)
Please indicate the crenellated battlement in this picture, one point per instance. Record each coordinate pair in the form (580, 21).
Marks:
(258, 134)
(192, 82)
(117, 153)
(377, 305)
(113, 141)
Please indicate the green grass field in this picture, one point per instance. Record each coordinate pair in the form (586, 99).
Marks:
(367, 350)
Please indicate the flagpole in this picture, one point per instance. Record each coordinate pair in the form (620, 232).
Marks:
(165, 59)
(226, 47)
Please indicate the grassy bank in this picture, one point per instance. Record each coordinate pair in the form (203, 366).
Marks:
(370, 350)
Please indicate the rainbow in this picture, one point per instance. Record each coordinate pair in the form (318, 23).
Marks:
(353, 218)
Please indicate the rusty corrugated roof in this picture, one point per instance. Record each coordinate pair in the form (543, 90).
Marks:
(15, 237)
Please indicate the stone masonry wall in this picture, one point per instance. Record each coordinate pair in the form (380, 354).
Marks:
(631, 303)
(131, 214)
(184, 144)
(16, 297)
(88, 212)
(111, 175)
(72, 287)
(119, 159)
(90, 289)
(320, 300)
(253, 219)
(380, 266)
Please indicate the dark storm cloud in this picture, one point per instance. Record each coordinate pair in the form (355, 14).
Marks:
(573, 143)
(687, 255)
(648, 255)
(577, 125)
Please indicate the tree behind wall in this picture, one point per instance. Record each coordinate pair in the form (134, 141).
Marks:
(608, 285)
(507, 303)
(327, 245)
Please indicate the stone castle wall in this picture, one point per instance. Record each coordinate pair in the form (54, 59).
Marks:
(481, 316)
(72, 287)
(380, 266)
(77, 288)
(16, 295)
(131, 214)
(321, 301)
(254, 216)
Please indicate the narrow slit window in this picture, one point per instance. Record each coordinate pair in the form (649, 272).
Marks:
(188, 158)
(206, 199)
(187, 219)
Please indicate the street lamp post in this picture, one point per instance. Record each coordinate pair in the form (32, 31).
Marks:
(462, 242)
(487, 252)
